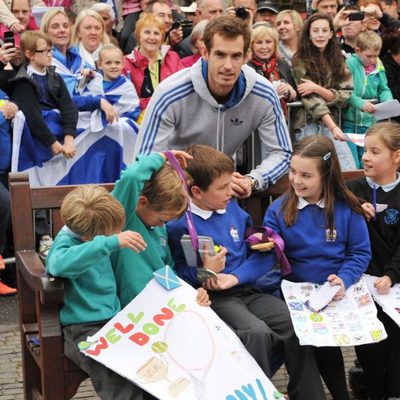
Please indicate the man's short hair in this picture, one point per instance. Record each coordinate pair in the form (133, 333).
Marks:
(90, 210)
(207, 165)
(228, 27)
(150, 5)
(369, 40)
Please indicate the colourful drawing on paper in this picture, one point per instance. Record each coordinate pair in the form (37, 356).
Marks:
(347, 322)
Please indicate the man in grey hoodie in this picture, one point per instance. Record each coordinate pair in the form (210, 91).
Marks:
(219, 102)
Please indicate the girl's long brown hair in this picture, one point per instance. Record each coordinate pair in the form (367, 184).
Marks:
(316, 61)
(322, 150)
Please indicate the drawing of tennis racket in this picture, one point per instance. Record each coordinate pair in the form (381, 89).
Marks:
(191, 347)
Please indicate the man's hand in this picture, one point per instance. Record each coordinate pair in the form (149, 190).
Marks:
(7, 53)
(224, 282)
(241, 186)
(202, 297)
(131, 240)
(215, 263)
(383, 284)
(17, 27)
(335, 280)
(175, 36)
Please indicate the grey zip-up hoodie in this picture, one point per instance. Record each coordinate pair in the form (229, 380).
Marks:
(182, 111)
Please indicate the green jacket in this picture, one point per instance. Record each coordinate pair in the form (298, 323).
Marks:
(134, 270)
(314, 105)
(373, 86)
(90, 288)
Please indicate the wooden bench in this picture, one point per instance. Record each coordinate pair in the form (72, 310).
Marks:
(47, 373)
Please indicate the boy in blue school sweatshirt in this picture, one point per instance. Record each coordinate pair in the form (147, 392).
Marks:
(260, 320)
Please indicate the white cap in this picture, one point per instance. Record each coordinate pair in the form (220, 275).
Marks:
(191, 9)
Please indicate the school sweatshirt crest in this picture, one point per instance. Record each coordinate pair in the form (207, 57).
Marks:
(182, 111)
(134, 270)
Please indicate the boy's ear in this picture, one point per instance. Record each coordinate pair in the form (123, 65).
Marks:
(357, 50)
(196, 192)
(28, 54)
(142, 202)
(396, 156)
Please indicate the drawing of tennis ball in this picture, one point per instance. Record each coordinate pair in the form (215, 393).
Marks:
(159, 347)
(316, 317)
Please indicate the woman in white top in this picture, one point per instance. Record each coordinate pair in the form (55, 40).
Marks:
(89, 36)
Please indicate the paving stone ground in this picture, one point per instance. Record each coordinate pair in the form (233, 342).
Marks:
(11, 368)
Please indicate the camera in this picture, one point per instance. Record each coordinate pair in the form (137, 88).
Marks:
(356, 16)
(241, 12)
(9, 38)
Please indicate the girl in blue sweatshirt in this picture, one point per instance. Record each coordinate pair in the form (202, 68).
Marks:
(381, 361)
(325, 235)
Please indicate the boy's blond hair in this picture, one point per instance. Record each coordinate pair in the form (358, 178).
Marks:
(369, 40)
(166, 192)
(90, 210)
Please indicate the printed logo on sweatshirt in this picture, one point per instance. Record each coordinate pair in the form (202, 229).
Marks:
(391, 216)
(163, 242)
(330, 237)
(236, 122)
(234, 233)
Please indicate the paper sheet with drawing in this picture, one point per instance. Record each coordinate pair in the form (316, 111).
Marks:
(175, 349)
(347, 322)
(390, 302)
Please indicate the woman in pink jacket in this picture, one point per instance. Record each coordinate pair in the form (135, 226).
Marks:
(151, 62)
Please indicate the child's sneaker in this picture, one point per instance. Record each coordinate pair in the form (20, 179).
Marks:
(6, 290)
(44, 246)
(2, 263)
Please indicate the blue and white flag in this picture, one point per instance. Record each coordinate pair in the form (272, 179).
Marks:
(72, 75)
(102, 150)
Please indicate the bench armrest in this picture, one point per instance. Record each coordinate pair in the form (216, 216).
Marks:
(33, 272)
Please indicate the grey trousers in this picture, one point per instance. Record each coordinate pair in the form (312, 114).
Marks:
(263, 323)
(107, 384)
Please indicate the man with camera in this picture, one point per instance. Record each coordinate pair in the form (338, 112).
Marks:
(220, 102)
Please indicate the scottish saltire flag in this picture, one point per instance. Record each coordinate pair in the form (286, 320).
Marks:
(102, 149)
(71, 75)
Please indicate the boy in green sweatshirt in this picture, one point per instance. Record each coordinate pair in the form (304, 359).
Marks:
(80, 253)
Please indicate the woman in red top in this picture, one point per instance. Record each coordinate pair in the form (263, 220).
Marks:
(151, 62)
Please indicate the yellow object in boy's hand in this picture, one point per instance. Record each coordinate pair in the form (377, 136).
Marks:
(217, 248)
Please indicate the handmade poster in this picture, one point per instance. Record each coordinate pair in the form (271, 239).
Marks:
(390, 303)
(348, 322)
(175, 349)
